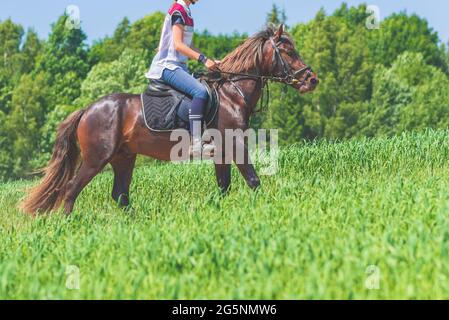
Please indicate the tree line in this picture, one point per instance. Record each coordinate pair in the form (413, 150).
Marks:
(373, 82)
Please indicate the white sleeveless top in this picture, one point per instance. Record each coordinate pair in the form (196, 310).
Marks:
(167, 57)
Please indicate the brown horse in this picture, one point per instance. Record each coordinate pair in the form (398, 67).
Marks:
(112, 130)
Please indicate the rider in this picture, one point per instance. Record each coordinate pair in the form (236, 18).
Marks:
(169, 65)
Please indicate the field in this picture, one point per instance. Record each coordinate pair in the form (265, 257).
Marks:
(333, 214)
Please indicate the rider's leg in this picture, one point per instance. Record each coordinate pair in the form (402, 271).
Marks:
(184, 82)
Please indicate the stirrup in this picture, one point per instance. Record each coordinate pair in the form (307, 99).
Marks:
(208, 150)
(198, 149)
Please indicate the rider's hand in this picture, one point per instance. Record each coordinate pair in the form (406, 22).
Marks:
(212, 65)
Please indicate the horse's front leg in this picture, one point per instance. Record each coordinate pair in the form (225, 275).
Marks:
(244, 164)
(250, 175)
(223, 173)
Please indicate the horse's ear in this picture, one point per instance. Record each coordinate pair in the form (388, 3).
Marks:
(280, 32)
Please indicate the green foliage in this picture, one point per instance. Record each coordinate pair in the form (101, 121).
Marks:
(338, 54)
(144, 34)
(127, 74)
(333, 210)
(64, 62)
(371, 81)
(353, 16)
(402, 32)
(5, 156)
(31, 51)
(23, 124)
(6, 88)
(10, 60)
(110, 48)
(17, 56)
(10, 39)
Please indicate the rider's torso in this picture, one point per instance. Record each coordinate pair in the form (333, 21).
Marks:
(168, 57)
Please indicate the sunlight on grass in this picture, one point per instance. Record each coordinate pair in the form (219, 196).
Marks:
(311, 232)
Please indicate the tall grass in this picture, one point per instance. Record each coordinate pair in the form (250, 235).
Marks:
(311, 232)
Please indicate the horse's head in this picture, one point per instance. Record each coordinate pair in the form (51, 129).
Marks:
(282, 61)
(271, 54)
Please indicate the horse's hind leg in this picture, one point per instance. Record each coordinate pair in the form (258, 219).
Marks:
(98, 145)
(85, 175)
(123, 165)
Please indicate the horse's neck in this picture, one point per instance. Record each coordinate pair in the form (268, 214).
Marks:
(252, 90)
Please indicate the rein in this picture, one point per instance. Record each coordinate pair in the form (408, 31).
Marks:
(290, 78)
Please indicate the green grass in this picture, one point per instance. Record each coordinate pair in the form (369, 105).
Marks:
(310, 233)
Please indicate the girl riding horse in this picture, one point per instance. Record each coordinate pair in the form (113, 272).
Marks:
(169, 65)
(112, 130)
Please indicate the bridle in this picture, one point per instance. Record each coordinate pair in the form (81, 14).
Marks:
(290, 77)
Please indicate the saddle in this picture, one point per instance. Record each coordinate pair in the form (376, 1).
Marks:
(166, 109)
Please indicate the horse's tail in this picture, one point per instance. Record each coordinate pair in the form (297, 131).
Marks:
(49, 194)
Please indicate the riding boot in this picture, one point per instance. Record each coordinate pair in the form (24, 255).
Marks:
(198, 148)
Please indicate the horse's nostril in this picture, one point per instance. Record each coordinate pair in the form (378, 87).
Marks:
(314, 81)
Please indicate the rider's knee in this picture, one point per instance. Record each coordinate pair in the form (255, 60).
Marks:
(201, 93)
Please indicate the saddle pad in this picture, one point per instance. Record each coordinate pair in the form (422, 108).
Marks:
(160, 113)
(169, 110)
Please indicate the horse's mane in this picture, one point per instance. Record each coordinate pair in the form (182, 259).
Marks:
(249, 54)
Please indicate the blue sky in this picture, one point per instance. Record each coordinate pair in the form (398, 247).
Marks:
(100, 17)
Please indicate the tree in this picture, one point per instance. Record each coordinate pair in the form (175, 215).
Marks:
(110, 48)
(127, 74)
(348, 121)
(5, 149)
(429, 106)
(64, 62)
(340, 58)
(31, 50)
(316, 43)
(23, 124)
(411, 95)
(401, 32)
(10, 39)
(445, 50)
(145, 34)
(6, 88)
(355, 17)
(286, 115)
(276, 16)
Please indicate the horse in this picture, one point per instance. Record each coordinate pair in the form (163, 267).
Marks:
(112, 130)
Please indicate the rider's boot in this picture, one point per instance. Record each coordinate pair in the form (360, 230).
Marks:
(199, 148)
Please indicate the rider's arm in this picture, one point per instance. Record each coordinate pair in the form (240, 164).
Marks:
(180, 46)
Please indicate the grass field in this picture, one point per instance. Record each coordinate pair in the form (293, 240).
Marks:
(311, 232)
